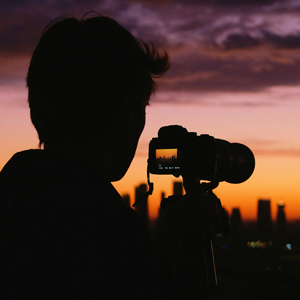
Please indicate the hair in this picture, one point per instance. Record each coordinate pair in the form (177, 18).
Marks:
(80, 73)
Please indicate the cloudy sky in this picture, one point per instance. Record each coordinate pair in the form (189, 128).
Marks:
(240, 46)
(235, 75)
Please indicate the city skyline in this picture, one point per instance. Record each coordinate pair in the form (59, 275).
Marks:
(264, 212)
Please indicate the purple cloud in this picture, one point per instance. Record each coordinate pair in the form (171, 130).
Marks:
(237, 41)
(241, 46)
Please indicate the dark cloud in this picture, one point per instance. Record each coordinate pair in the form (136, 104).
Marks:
(19, 38)
(240, 70)
(212, 48)
(241, 2)
(290, 41)
(36, 5)
(235, 41)
(209, 2)
(240, 41)
(238, 2)
(22, 22)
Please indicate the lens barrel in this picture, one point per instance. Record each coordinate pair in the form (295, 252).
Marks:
(235, 162)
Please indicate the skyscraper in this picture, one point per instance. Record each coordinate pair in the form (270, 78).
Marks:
(264, 222)
(281, 220)
(177, 188)
(161, 211)
(236, 222)
(142, 207)
(126, 199)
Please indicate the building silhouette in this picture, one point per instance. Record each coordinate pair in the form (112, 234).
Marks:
(177, 188)
(281, 221)
(264, 221)
(236, 222)
(142, 207)
(161, 211)
(126, 199)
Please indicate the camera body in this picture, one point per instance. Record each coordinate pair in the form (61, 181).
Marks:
(177, 152)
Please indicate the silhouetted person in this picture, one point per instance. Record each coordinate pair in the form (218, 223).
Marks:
(65, 233)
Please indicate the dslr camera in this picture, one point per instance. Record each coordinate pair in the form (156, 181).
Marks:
(178, 152)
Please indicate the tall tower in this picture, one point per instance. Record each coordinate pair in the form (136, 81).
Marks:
(281, 220)
(126, 199)
(142, 207)
(177, 188)
(264, 222)
(161, 211)
(236, 222)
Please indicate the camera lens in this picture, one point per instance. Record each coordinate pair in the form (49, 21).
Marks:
(235, 162)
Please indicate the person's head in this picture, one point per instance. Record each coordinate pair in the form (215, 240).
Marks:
(80, 74)
(90, 80)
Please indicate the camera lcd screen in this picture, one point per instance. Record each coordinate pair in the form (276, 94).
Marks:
(166, 159)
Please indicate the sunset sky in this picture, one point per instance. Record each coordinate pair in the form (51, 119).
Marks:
(167, 153)
(235, 75)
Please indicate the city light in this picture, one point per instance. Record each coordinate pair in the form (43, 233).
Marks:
(258, 244)
(288, 246)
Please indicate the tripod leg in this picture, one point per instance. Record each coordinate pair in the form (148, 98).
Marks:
(189, 183)
(210, 264)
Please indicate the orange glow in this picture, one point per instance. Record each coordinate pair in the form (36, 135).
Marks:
(276, 173)
(166, 153)
(274, 178)
(263, 129)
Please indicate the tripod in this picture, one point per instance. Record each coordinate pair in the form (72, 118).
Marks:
(196, 265)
